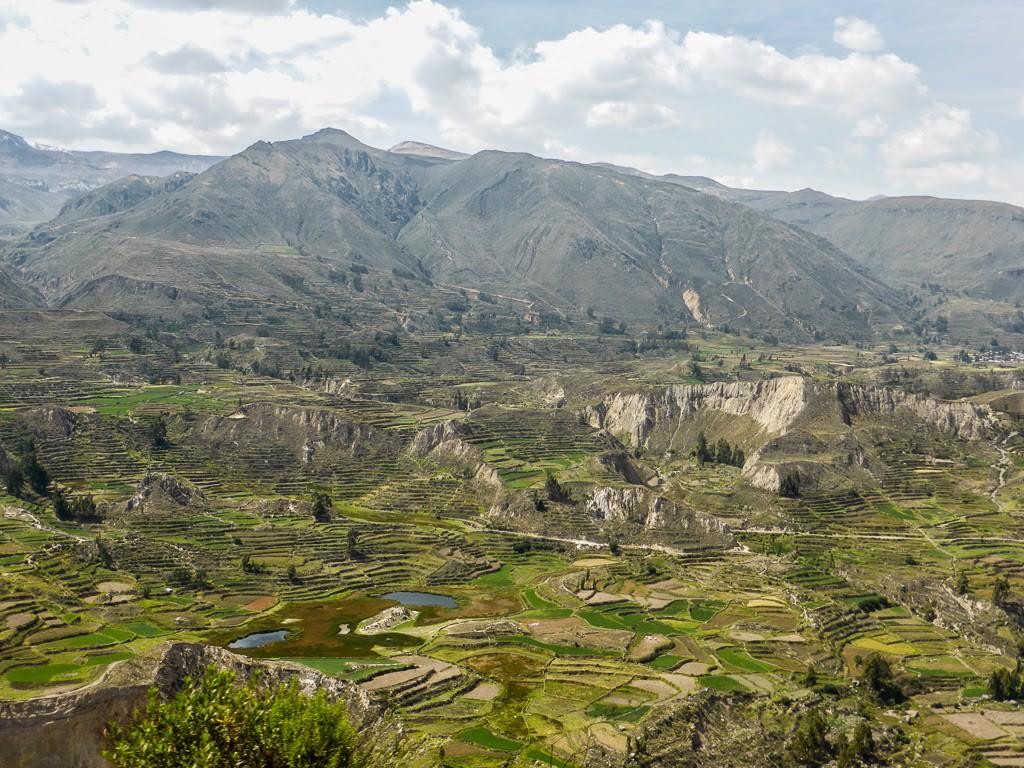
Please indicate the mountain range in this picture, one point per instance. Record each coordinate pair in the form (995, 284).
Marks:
(36, 181)
(563, 236)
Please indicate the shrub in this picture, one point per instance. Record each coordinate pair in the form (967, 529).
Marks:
(216, 723)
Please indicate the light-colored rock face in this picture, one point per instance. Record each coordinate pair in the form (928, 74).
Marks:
(445, 442)
(281, 422)
(386, 620)
(966, 421)
(168, 487)
(650, 511)
(774, 404)
(793, 408)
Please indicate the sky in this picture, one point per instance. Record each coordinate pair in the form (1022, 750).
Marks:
(853, 98)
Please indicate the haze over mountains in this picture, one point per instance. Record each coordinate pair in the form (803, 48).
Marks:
(36, 181)
(563, 236)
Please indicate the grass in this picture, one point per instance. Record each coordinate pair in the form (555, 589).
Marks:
(484, 738)
(737, 657)
(722, 683)
(666, 662)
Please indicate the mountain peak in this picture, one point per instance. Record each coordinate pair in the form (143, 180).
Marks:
(337, 137)
(10, 140)
(422, 149)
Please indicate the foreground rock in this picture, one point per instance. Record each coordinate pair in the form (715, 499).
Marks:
(66, 730)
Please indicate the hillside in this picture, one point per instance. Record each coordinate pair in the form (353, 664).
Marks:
(634, 248)
(565, 236)
(972, 245)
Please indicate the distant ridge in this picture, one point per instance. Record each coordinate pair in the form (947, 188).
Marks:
(419, 149)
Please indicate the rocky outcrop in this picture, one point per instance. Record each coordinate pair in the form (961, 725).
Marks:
(785, 418)
(281, 422)
(446, 442)
(158, 485)
(641, 508)
(774, 404)
(961, 419)
(387, 620)
(66, 731)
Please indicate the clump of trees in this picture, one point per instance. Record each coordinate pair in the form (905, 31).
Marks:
(810, 747)
(25, 467)
(158, 433)
(789, 486)
(554, 490)
(80, 508)
(322, 507)
(1006, 685)
(877, 677)
(719, 453)
(215, 722)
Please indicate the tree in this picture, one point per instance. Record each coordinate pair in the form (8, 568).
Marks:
(877, 676)
(293, 573)
(811, 676)
(158, 432)
(553, 488)
(723, 452)
(352, 545)
(1004, 685)
(614, 547)
(14, 479)
(860, 750)
(36, 474)
(702, 451)
(963, 586)
(215, 722)
(322, 507)
(789, 487)
(808, 747)
(103, 553)
(1001, 592)
(61, 508)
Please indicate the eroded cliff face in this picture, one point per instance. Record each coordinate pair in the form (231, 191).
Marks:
(641, 508)
(446, 443)
(774, 404)
(960, 419)
(788, 416)
(301, 432)
(66, 731)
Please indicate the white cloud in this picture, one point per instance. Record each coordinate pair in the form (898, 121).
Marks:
(219, 77)
(942, 150)
(853, 85)
(624, 114)
(942, 133)
(857, 35)
(870, 127)
(770, 153)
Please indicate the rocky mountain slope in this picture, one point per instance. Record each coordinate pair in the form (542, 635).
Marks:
(972, 245)
(565, 235)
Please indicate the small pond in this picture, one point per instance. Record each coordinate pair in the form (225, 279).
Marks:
(259, 639)
(421, 599)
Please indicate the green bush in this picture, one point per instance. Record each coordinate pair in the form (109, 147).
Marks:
(215, 722)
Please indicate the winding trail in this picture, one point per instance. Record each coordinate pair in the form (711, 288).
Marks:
(1004, 467)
